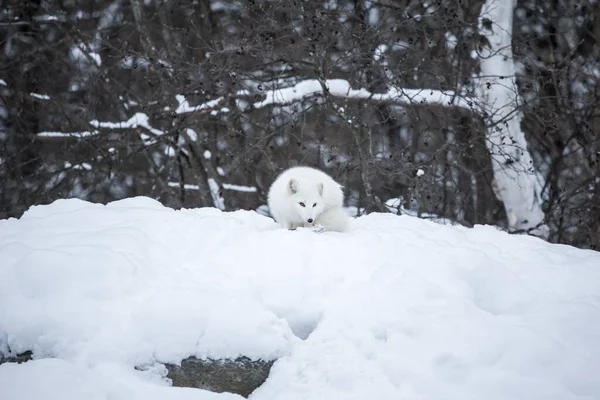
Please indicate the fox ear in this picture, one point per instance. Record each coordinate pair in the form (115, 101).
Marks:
(293, 186)
(320, 188)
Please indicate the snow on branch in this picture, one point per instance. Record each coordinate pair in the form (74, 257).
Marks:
(337, 88)
(186, 186)
(239, 188)
(138, 120)
(226, 186)
(341, 88)
(76, 135)
(184, 106)
(39, 96)
(81, 166)
(215, 193)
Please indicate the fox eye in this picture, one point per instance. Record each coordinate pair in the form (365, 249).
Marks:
(314, 205)
(302, 204)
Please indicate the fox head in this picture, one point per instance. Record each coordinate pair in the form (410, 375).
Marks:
(307, 200)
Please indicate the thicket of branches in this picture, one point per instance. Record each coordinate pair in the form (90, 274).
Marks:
(191, 102)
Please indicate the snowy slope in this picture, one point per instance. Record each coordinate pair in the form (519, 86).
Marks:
(398, 308)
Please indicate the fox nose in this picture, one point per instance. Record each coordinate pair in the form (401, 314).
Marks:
(310, 220)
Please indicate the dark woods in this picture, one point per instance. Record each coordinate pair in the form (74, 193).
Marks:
(201, 103)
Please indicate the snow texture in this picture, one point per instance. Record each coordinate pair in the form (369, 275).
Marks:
(512, 163)
(55, 379)
(397, 308)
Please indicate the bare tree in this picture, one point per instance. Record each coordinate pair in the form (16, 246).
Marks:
(439, 109)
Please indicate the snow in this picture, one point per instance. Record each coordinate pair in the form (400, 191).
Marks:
(341, 88)
(39, 96)
(138, 120)
(420, 172)
(96, 57)
(192, 134)
(218, 200)
(170, 151)
(396, 205)
(78, 135)
(239, 188)
(186, 186)
(223, 110)
(184, 106)
(84, 166)
(226, 186)
(49, 18)
(337, 88)
(380, 52)
(397, 308)
(61, 380)
(132, 62)
(82, 54)
(451, 41)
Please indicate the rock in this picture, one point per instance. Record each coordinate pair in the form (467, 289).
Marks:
(240, 376)
(18, 358)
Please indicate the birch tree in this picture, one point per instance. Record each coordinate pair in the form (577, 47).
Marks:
(514, 172)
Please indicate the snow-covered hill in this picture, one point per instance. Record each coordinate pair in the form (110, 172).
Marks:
(399, 308)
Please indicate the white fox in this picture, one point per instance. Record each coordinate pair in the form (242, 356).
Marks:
(306, 197)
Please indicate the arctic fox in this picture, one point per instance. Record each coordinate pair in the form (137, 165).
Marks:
(306, 197)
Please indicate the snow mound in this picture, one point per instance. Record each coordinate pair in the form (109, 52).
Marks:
(55, 379)
(397, 308)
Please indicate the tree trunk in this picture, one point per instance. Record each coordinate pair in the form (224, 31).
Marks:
(512, 163)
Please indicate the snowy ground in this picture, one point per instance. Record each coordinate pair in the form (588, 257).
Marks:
(399, 308)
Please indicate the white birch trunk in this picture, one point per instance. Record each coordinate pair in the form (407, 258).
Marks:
(513, 167)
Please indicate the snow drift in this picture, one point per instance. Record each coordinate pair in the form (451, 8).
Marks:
(398, 308)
